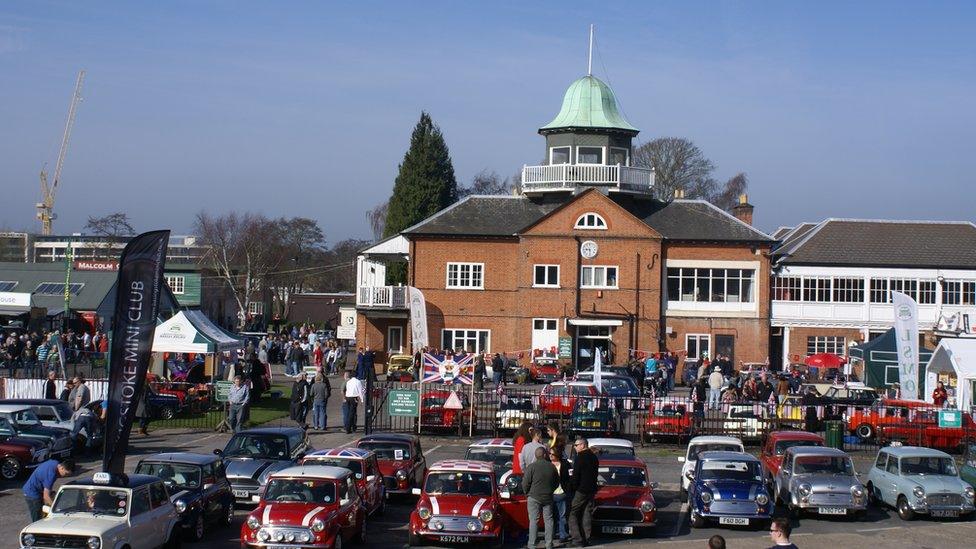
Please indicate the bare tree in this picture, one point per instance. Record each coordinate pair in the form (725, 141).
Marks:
(113, 227)
(487, 183)
(678, 164)
(377, 219)
(299, 247)
(728, 195)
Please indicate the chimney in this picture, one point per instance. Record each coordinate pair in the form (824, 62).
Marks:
(743, 210)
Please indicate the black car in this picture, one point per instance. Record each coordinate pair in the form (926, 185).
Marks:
(594, 416)
(622, 388)
(25, 423)
(840, 398)
(252, 455)
(198, 488)
(163, 405)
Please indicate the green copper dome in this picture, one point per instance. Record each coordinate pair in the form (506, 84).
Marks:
(589, 103)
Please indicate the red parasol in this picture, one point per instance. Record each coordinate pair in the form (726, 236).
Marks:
(825, 360)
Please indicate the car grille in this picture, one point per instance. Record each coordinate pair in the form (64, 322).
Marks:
(284, 532)
(453, 523)
(244, 484)
(60, 541)
(390, 483)
(622, 514)
(943, 499)
(734, 507)
(827, 499)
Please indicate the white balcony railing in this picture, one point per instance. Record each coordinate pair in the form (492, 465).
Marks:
(387, 297)
(570, 176)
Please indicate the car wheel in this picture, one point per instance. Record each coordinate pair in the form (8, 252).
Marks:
(501, 540)
(382, 508)
(229, 514)
(167, 413)
(10, 468)
(865, 431)
(873, 498)
(905, 512)
(199, 528)
(696, 520)
(338, 540)
(174, 541)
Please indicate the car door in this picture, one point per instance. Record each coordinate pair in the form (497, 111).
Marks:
(211, 500)
(161, 513)
(374, 483)
(782, 487)
(892, 480)
(420, 465)
(141, 526)
(346, 490)
(877, 475)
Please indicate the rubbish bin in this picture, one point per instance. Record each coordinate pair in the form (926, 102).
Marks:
(834, 434)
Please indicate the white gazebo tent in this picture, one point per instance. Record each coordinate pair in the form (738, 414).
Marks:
(953, 358)
(191, 331)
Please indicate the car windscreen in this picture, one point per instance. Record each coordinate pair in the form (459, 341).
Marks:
(584, 405)
(620, 386)
(25, 417)
(388, 450)
(175, 475)
(612, 450)
(260, 446)
(353, 465)
(557, 390)
(823, 465)
(285, 490)
(622, 476)
(458, 482)
(668, 411)
(501, 457)
(744, 413)
(783, 445)
(94, 501)
(730, 470)
(928, 465)
(696, 449)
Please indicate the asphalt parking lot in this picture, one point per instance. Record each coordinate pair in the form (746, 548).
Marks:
(882, 527)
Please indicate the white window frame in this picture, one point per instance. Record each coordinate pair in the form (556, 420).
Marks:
(460, 268)
(582, 222)
(698, 338)
(454, 338)
(389, 338)
(603, 155)
(827, 344)
(548, 283)
(255, 308)
(626, 155)
(176, 283)
(570, 156)
(594, 269)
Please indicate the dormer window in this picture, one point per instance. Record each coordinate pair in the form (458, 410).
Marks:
(589, 155)
(591, 220)
(560, 155)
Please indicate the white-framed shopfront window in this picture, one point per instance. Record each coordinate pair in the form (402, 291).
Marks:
(176, 283)
(465, 339)
(698, 346)
(466, 276)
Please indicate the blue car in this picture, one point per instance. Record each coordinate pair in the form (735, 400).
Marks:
(728, 488)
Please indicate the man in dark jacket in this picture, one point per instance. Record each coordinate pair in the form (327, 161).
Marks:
(480, 369)
(584, 483)
(539, 481)
(811, 401)
(51, 386)
(300, 396)
(498, 369)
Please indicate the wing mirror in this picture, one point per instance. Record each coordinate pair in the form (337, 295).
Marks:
(415, 491)
(690, 475)
(218, 452)
(654, 485)
(681, 459)
(370, 478)
(46, 510)
(504, 494)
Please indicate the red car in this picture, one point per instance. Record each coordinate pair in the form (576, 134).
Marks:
(776, 444)
(433, 414)
(544, 370)
(307, 506)
(865, 423)
(364, 468)
(459, 503)
(559, 398)
(668, 420)
(399, 458)
(18, 454)
(921, 428)
(624, 503)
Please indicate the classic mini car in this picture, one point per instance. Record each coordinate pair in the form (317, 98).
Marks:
(513, 410)
(747, 421)
(459, 503)
(820, 480)
(545, 370)
(778, 442)
(668, 420)
(701, 444)
(18, 454)
(624, 503)
(842, 400)
(792, 408)
(25, 423)
(559, 398)
(400, 459)
(921, 428)
(728, 487)
(364, 469)
(307, 506)
(968, 470)
(197, 487)
(917, 481)
(609, 448)
(865, 422)
(109, 512)
(594, 416)
(497, 451)
(400, 368)
(621, 387)
(434, 415)
(57, 413)
(252, 455)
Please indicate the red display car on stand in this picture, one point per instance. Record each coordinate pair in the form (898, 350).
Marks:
(400, 459)
(922, 429)
(365, 469)
(436, 416)
(459, 503)
(307, 506)
(671, 419)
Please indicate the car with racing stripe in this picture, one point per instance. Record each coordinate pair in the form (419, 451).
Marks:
(251, 456)
(459, 503)
(364, 468)
(497, 451)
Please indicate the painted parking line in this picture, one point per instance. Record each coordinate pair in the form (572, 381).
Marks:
(427, 453)
(880, 529)
(681, 519)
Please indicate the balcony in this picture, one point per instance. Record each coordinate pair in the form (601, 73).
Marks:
(382, 297)
(569, 177)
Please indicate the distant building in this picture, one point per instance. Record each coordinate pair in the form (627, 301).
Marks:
(53, 248)
(15, 246)
(320, 309)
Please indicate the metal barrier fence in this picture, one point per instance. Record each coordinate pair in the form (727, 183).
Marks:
(672, 419)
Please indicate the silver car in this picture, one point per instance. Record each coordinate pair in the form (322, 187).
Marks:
(820, 480)
(917, 480)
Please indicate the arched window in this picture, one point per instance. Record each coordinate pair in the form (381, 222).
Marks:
(591, 220)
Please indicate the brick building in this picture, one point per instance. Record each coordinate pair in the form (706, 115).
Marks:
(586, 256)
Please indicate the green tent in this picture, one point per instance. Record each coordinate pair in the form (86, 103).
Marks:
(880, 361)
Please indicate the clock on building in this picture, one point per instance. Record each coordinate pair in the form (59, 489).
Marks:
(588, 249)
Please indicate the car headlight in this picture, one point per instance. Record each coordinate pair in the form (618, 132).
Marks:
(646, 507)
(970, 492)
(180, 506)
(318, 525)
(762, 499)
(27, 540)
(858, 491)
(401, 474)
(306, 537)
(94, 542)
(264, 535)
(805, 489)
(486, 515)
(423, 513)
(253, 523)
(706, 497)
(919, 492)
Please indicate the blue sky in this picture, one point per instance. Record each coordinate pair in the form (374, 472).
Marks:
(305, 108)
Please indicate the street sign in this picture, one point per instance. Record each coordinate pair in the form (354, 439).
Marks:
(950, 418)
(404, 403)
(565, 347)
(453, 402)
(222, 390)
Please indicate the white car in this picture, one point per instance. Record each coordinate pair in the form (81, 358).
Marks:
(701, 444)
(513, 410)
(103, 512)
(611, 447)
(747, 420)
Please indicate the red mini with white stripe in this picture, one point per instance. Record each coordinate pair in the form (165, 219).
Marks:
(459, 503)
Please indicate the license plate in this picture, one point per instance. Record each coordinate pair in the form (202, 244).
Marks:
(945, 513)
(832, 511)
(735, 521)
(242, 494)
(455, 539)
(277, 547)
(618, 530)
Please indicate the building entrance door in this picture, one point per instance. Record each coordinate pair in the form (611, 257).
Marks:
(545, 334)
(590, 338)
(394, 340)
(725, 345)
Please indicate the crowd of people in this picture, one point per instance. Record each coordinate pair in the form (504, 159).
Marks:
(33, 352)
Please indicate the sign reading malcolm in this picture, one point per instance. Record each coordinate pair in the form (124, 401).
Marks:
(906, 343)
(404, 403)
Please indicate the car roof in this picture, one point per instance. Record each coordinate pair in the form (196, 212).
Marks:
(622, 461)
(794, 435)
(463, 465)
(131, 481)
(603, 442)
(817, 451)
(492, 442)
(573, 384)
(714, 439)
(272, 431)
(10, 408)
(905, 402)
(181, 457)
(727, 456)
(349, 453)
(389, 437)
(914, 451)
(34, 401)
(314, 471)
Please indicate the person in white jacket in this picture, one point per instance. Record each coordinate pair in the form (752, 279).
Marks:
(715, 382)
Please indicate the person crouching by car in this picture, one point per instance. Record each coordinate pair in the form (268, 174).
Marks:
(39, 488)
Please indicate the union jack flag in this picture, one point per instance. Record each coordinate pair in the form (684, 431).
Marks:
(451, 369)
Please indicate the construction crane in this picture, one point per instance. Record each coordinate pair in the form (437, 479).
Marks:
(45, 208)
